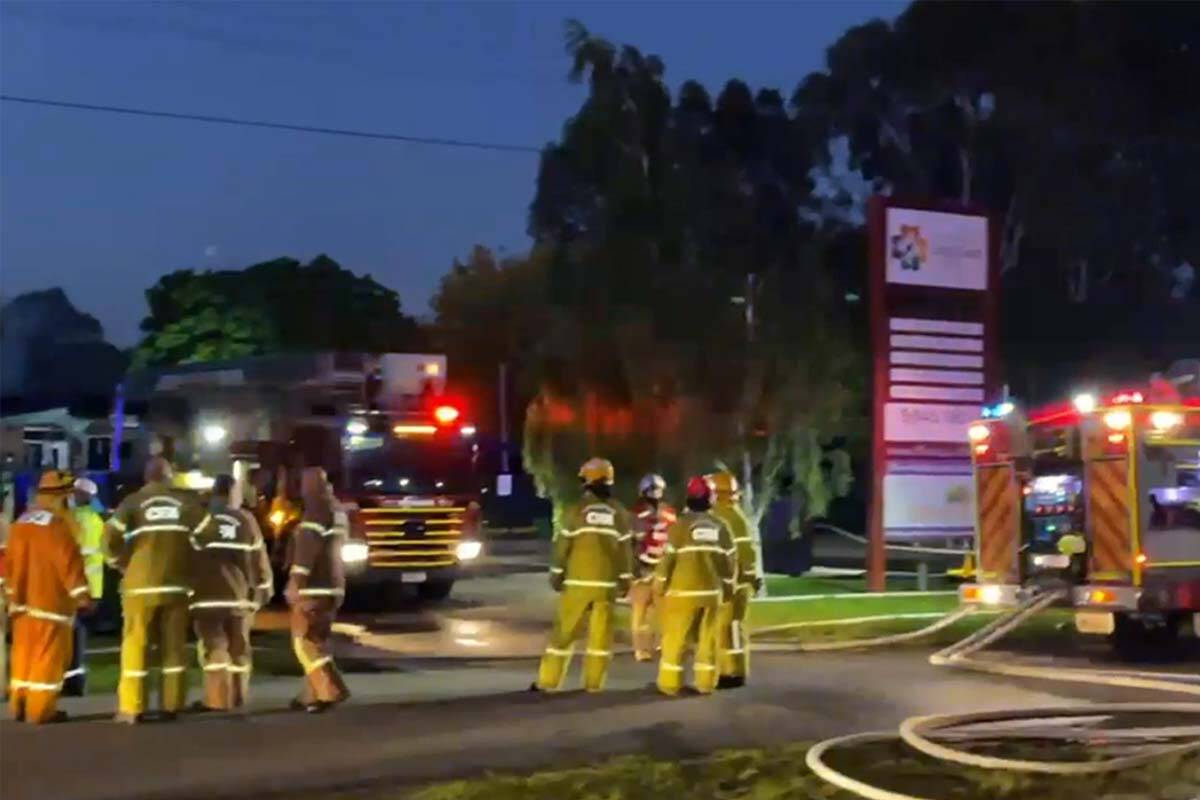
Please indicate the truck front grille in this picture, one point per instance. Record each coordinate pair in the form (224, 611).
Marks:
(412, 537)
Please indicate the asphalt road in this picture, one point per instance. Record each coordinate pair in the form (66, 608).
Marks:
(446, 699)
(411, 741)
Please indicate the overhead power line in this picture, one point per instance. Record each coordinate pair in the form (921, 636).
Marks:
(435, 141)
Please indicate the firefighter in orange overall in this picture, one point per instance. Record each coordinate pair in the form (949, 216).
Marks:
(46, 587)
(315, 590)
(653, 518)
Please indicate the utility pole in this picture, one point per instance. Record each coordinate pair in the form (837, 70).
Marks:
(745, 431)
(502, 397)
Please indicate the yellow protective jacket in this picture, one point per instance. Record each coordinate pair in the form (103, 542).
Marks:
(593, 547)
(699, 560)
(147, 539)
(89, 533)
(734, 518)
(317, 569)
(230, 568)
(45, 571)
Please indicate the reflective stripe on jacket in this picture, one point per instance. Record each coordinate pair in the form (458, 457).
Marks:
(739, 528)
(45, 571)
(147, 539)
(316, 567)
(89, 532)
(230, 568)
(654, 521)
(593, 546)
(699, 560)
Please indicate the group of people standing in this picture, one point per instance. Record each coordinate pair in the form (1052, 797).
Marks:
(697, 570)
(183, 564)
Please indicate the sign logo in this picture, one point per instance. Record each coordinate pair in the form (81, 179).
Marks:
(600, 518)
(161, 513)
(910, 248)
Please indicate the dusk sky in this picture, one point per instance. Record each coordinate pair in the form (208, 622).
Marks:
(102, 204)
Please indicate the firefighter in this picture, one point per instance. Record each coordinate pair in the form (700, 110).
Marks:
(47, 586)
(147, 541)
(89, 534)
(315, 590)
(695, 575)
(654, 519)
(231, 579)
(733, 653)
(592, 564)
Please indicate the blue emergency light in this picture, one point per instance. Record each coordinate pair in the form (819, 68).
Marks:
(997, 411)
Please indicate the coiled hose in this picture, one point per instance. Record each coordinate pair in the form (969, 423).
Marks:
(916, 732)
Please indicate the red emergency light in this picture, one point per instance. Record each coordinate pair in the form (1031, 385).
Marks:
(446, 415)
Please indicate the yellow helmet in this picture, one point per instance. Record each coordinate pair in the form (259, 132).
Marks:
(55, 481)
(725, 484)
(597, 470)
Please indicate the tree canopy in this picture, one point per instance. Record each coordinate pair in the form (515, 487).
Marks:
(274, 306)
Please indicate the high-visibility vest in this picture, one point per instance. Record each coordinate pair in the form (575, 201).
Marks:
(89, 534)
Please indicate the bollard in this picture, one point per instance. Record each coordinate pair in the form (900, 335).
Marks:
(922, 576)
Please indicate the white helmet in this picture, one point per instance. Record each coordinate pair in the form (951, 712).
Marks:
(652, 486)
(87, 486)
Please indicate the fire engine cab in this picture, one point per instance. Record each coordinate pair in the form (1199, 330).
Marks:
(1099, 497)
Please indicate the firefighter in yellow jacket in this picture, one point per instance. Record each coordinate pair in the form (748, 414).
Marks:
(695, 575)
(46, 586)
(231, 579)
(315, 590)
(733, 645)
(147, 540)
(592, 565)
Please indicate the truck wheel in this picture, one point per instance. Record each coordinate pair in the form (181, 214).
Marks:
(1138, 640)
(434, 591)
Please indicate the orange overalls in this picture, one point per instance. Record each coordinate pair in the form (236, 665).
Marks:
(46, 584)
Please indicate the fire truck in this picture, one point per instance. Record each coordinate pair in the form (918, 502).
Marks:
(1099, 498)
(401, 454)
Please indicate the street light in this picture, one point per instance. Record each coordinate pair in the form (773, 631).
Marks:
(213, 434)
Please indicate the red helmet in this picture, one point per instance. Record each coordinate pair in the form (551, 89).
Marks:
(700, 488)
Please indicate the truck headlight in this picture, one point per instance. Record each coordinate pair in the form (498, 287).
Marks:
(354, 552)
(469, 550)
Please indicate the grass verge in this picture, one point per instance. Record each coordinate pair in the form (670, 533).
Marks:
(780, 773)
(785, 586)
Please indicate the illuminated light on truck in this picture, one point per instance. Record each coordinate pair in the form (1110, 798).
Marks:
(446, 415)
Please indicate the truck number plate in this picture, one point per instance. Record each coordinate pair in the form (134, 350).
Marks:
(412, 577)
(1097, 622)
(1052, 561)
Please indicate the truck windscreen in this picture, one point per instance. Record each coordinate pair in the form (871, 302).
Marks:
(409, 466)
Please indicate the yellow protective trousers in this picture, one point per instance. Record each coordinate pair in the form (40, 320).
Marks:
(40, 652)
(163, 625)
(579, 606)
(642, 607)
(688, 622)
(733, 644)
(312, 627)
(223, 645)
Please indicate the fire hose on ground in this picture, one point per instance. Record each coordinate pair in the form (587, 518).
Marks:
(918, 732)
